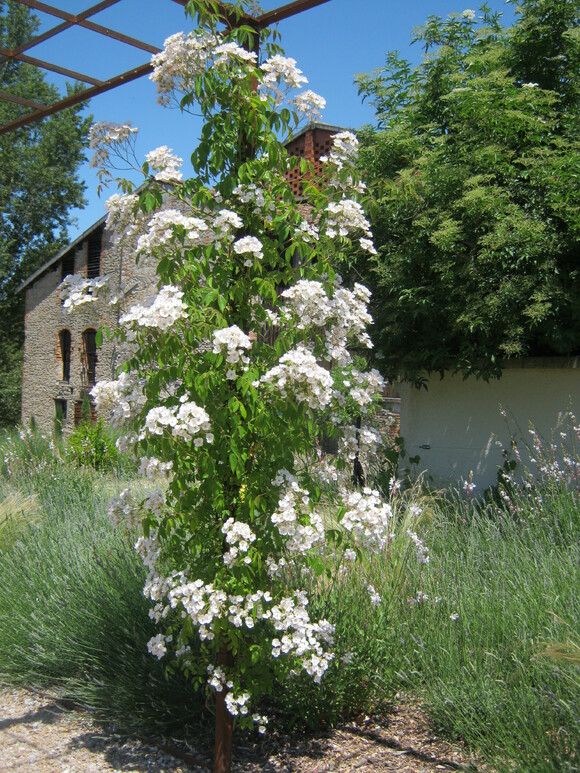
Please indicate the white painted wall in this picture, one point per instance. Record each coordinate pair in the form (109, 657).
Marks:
(453, 426)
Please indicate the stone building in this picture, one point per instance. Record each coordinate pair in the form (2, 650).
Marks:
(61, 359)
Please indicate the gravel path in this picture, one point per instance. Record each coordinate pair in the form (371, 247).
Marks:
(39, 735)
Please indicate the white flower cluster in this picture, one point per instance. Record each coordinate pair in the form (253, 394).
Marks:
(375, 597)
(422, 550)
(239, 536)
(249, 245)
(344, 151)
(275, 569)
(158, 645)
(235, 341)
(164, 311)
(119, 400)
(155, 502)
(309, 303)
(183, 59)
(310, 105)
(237, 704)
(75, 290)
(149, 550)
(261, 720)
(103, 135)
(202, 603)
(342, 156)
(349, 321)
(150, 467)
(343, 316)
(324, 472)
(121, 509)
(367, 518)
(299, 376)
(294, 505)
(217, 678)
(185, 421)
(366, 386)
(161, 231)
(281, 71)
(125, 219)
(250, 193)
(365, 441)
(166, 164)
(205, 605)
(226, 220)
(300, 636)
(308, 232)
(232, 54)
(346, 217)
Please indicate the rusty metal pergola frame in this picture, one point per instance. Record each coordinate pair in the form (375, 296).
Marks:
(94, 86)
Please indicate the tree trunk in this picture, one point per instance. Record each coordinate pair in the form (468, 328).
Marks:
(224, 722)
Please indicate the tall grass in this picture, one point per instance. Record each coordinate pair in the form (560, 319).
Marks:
(485, 655)
(73, 617)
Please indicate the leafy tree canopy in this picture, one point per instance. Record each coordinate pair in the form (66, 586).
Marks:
(473, 167)
(39, 185)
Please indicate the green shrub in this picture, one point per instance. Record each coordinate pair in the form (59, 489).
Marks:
(93, 445)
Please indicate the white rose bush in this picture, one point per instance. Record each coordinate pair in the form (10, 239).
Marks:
(231, 375)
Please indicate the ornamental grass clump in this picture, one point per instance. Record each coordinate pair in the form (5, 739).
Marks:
(24, 450)
(228, 382)
(492, 649)
(73, 619)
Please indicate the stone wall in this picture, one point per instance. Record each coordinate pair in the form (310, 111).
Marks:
(43, 384)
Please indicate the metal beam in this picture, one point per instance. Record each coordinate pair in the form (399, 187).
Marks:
(80, 20)
(21, 101)
(80, 96)
(285, 11)
(6, 54)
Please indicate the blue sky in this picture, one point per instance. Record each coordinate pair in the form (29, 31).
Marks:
(331, 43)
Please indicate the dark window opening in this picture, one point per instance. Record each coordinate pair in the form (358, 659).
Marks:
(94, 254)
(65, 352)
(68, 264)
(59, 416)
(89, 358)
(81, 412)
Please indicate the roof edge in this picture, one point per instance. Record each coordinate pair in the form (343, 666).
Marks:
(39, 271)
(313, 127)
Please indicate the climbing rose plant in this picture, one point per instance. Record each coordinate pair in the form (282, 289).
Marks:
(229, 378)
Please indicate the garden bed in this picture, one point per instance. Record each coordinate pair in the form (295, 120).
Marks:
(38, 733)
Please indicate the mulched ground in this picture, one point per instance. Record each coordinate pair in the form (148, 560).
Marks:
(40, 735)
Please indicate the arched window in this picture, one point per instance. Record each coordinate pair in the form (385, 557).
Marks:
(64, 342)
(89, 358)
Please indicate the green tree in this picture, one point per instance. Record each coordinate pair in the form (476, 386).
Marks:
(39, 185)
(473, 167)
